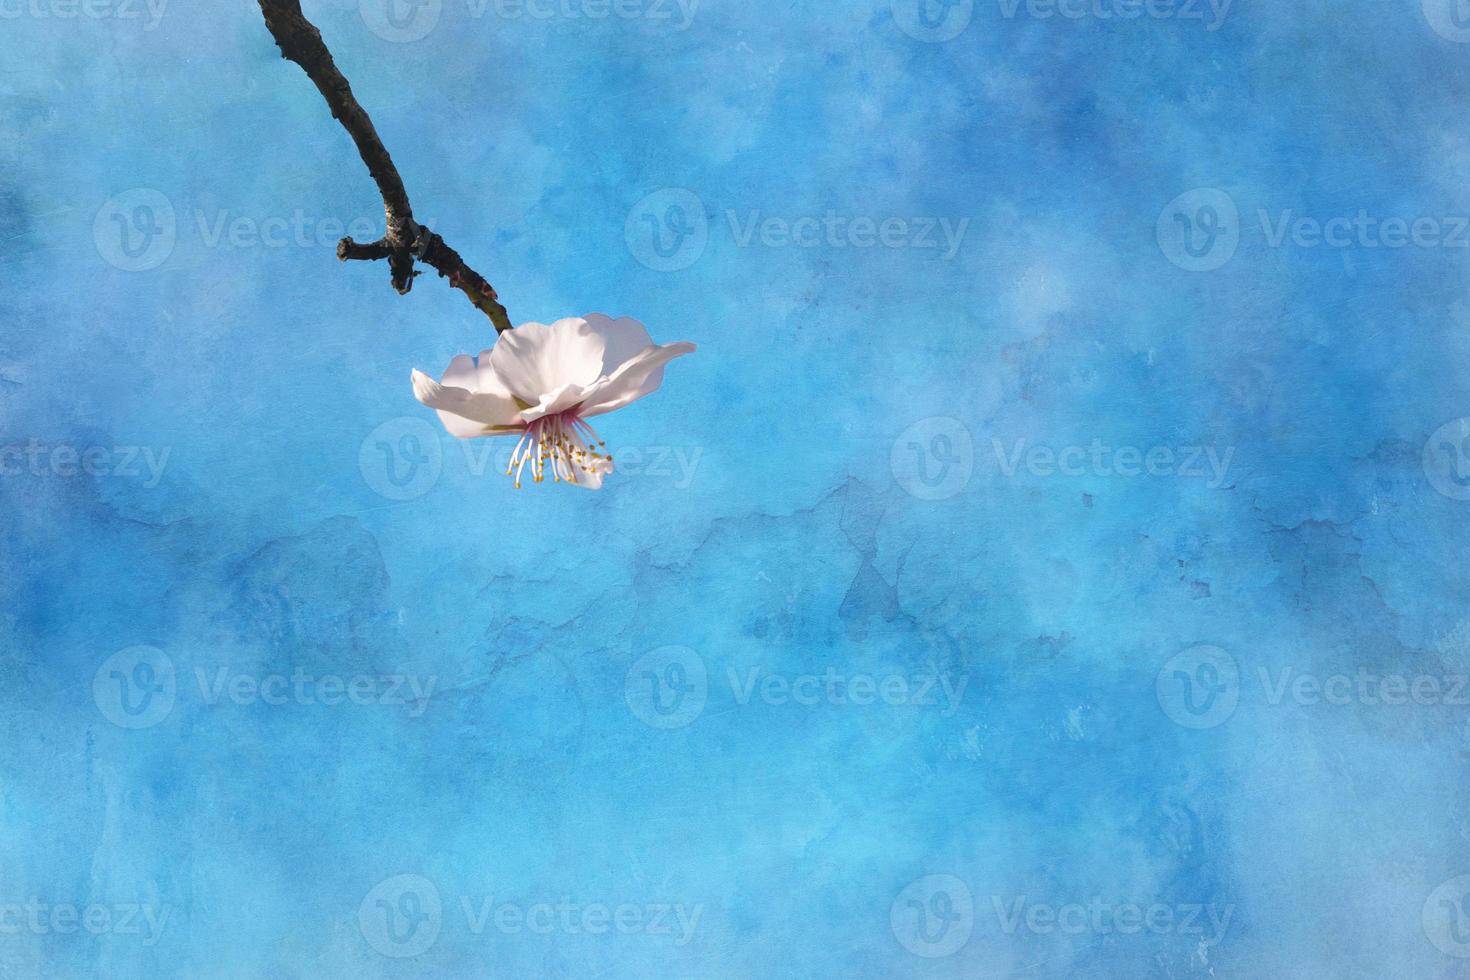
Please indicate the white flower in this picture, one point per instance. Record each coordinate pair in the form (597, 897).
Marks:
(542, 382)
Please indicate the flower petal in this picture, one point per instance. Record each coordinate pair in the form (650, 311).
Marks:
(563, 398)
(537, 358)
(462, 373)
(623, 338)
(467, 414)
(639, 376)
(593, 480)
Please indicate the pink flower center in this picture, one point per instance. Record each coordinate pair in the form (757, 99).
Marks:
(562, 443)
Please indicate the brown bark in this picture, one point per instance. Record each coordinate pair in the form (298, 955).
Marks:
(405, 241)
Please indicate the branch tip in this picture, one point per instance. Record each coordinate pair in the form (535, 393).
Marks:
(405, 241)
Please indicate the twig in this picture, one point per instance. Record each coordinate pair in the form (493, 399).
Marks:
(405, 241)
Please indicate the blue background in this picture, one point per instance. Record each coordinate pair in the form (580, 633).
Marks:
(849, 508)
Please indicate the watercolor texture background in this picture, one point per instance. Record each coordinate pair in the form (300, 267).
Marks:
(1013, 585)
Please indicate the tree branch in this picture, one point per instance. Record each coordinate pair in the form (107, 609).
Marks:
(405, 241)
